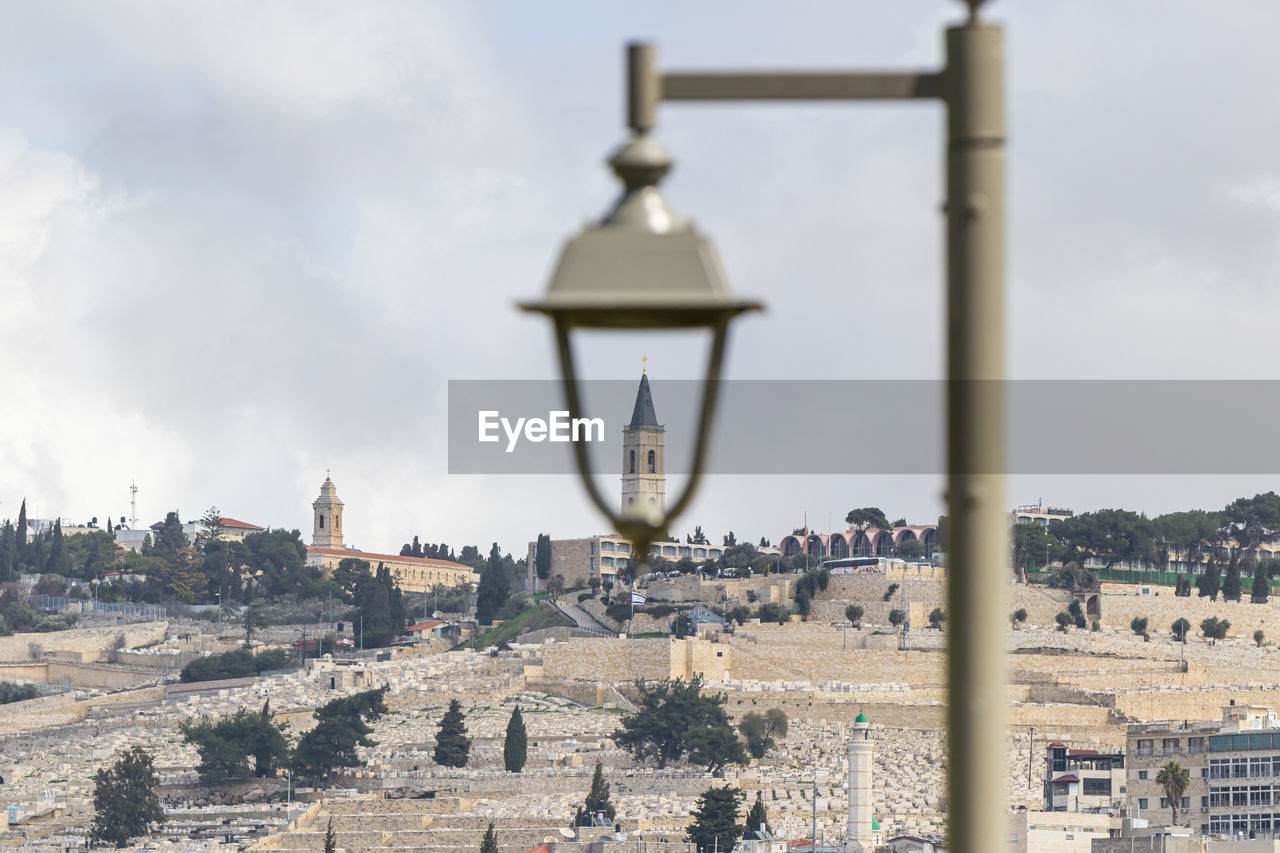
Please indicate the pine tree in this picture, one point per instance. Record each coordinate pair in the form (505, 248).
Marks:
(756, 818)
(490, 842)
(453, 747)
(597, 801)
(515, 749)
(126, 798)
(715, 821)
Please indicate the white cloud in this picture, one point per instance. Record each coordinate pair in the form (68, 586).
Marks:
(241, 242)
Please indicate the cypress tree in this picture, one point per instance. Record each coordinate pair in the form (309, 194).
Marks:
(490, 842)
(1261, 583)
(597, 801)
(756, 818)
(20, 552)
(453, 747)
(330, 841)
(515, 749)
(1231, 585)
(1208, 582)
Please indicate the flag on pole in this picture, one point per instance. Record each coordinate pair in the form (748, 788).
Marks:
(637, 598)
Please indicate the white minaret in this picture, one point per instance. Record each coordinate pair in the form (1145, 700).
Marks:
(861, 755)
(326, 529)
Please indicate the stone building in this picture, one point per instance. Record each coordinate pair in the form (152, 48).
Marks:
(1083, 780)
(1231, 763)
(413, 574)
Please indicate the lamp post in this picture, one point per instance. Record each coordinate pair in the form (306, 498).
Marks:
(642, 268)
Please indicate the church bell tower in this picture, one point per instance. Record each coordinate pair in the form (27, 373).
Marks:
(327, 518)
(644, 485)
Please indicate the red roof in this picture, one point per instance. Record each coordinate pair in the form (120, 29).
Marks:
(368, 555)
(1082, 752)
(541, 848)
(231, 522)
(1070, 777)
(424, 626)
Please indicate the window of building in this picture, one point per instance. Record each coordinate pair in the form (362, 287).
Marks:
(632, 468)
(1142, 774)
(1219, 768)
(1186, 804)
(1204, 802)
(653, 462)
(1097, 787)
(322, 522)
(1259, 766)
(1146, 747)
(1195, 744)
(1171, 744)
(1142, 803)
(1259, 795)
(1240, 795)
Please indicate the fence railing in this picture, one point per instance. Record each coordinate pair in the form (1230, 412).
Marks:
(59, 604)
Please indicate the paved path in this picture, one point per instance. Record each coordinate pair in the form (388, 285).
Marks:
(582, 619)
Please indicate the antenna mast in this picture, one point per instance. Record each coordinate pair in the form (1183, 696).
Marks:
(133, 505)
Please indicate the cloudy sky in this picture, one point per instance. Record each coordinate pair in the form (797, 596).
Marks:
(243, 242)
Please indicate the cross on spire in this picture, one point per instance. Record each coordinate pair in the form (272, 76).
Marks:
(644, 365)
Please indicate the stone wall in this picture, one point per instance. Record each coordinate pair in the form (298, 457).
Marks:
(607, 659)
(87, 642)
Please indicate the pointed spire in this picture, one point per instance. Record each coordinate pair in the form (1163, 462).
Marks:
(643, 415)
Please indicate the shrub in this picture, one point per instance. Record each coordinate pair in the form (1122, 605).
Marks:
(1018, 616)
(893, 587)
(772, 612)
(1139, 625)
(897, 617)
(854, 614)
(583, 596)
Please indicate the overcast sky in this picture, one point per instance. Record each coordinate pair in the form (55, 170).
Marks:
(243, 242)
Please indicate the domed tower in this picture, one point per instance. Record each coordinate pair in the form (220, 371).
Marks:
(644, 485)
(861, 759)
(327, 518)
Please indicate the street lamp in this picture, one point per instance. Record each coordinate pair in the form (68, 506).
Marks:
(643, 268)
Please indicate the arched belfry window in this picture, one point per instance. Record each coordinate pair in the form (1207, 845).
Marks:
(653, 462)
(322, 522)
(633, 463)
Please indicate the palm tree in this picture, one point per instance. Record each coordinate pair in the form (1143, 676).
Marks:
(1174, 778)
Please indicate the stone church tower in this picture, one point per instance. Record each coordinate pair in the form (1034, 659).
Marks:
(644, 485)
(327, 518)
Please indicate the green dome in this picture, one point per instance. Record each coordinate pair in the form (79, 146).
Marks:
(861, 718)
(875, 825)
